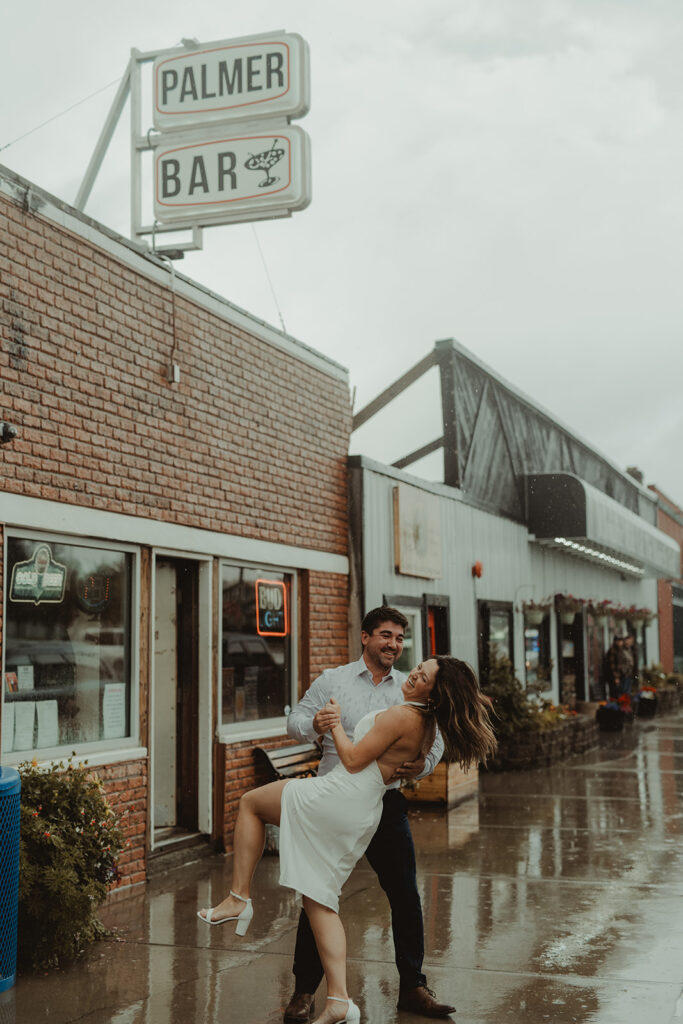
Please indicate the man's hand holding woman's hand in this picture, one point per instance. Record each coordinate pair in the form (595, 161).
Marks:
(327, 717)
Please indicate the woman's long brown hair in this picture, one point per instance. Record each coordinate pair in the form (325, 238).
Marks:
(462, 713)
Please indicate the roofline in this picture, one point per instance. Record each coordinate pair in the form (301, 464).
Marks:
(365, 462)
(139, 258)
(536, 407)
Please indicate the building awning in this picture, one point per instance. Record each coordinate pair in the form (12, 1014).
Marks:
(570, 515)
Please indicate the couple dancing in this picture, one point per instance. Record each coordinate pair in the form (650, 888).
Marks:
(400, 728)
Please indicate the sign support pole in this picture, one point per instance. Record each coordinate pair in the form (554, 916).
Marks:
(135, 152)
(103, 142)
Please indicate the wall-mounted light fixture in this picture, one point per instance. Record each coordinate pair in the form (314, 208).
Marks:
(7, 432)
(595, 555)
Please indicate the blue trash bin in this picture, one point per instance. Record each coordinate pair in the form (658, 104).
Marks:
(10, 796)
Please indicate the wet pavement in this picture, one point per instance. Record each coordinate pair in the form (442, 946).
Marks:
(556, 896)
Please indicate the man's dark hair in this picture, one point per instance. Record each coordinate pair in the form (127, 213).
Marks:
(383, 614)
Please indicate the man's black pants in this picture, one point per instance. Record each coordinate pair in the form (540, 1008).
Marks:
(391, 854)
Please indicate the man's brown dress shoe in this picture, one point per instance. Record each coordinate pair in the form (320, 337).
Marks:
(421, 1000)
(300, 1008)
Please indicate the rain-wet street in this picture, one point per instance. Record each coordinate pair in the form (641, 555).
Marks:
(554, 897)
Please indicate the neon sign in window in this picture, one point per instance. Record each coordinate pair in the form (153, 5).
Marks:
(271, 608)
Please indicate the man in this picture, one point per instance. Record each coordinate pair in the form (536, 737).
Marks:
(621, 666)
(366, 685)
(628, 664)
(614, 663)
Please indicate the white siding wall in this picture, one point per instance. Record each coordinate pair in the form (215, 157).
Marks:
(514, 569)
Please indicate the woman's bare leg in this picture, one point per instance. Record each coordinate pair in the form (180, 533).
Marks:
(331, 942)
(258, 808)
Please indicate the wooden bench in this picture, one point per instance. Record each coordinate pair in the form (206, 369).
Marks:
(297, 762)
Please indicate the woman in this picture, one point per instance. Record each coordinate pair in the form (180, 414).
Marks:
(326, 823)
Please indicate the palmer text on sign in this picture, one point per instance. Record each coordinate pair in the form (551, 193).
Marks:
(231, 80)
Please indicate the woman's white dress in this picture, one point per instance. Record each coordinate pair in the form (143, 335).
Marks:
(326, 825)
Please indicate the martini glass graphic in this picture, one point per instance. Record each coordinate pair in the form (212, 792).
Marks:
(263, 162)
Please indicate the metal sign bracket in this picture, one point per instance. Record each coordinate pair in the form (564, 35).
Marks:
(131, 85)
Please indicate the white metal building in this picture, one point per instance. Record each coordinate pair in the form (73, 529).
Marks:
(528, 511)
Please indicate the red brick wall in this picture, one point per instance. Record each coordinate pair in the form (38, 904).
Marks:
(252, 440)
(674, 529)
(126, 788)
(328, 622)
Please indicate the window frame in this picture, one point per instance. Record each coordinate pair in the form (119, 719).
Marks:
(545, 646)
(484, 609)
(422, 604)
(260, 728)
(126, 746)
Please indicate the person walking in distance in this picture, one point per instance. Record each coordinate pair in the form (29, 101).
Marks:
(369, 684)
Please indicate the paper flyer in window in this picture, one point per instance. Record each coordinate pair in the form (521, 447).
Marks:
(7, 728)
(114, 711)
(25, 677)
(251, 673)
(24, 722)
(239, 704)
(48, 723)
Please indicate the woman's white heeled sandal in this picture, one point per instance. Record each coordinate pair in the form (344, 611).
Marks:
(352, 1011)
(243, 919)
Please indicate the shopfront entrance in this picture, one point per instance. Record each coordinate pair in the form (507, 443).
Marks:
(175, 720)
(571, 661)
(428, 631)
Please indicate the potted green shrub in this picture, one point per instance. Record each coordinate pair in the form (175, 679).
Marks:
(69, 843)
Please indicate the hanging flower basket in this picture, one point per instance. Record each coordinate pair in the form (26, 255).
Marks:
(567, 606)
(600, 610)
(535, 611)
(641, 616)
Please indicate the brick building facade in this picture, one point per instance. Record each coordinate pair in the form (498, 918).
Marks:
(143, 520)
(670, 596)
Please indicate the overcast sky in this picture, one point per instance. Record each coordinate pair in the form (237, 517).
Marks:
(505, 172)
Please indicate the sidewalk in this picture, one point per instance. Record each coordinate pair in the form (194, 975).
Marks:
(555, 897)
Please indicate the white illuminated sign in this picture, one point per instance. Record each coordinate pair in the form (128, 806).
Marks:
(264, 76)
(261, 172)
(224, 150)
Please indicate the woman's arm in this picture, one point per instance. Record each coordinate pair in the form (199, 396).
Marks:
(389, 726)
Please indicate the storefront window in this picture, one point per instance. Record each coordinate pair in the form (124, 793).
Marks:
(571, 660)
(678, 628)
(67, 660)
(537, 660)
(638, 648)
(411, 654)
(256, 644)
(500, 633)
(494, 634)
